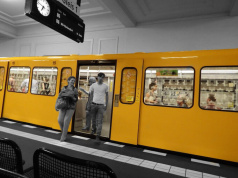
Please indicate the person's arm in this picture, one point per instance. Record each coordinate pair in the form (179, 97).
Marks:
(147, 96)
(62, 92)
(87, 93)
(90, 96)
(76, 94)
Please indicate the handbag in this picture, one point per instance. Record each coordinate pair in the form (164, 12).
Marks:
(61, 103)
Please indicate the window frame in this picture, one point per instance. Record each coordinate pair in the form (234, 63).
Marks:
(194, 74)
(199, 95)
(10, 74)
(122, 81)
(55, 83)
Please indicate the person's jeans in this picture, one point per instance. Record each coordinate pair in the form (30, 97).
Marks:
(64, 119)
(88, 120)
(97, 118)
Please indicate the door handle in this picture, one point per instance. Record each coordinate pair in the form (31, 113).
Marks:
(116, 100)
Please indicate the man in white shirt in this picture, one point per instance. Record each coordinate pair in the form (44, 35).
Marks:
(98, 102)
(34, 86)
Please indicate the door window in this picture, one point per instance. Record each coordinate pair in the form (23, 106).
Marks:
(65, 74)
(128, 85)
(2, 72)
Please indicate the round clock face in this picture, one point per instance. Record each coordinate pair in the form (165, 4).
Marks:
(43, 7)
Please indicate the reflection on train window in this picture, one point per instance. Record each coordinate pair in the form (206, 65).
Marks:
(19, 79)
(44, 81)
(218, 88)
(169, 87)
(128, 86)
(65, 74)
(2, 71)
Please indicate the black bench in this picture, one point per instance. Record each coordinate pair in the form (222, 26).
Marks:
(50, 164)
(10, 156)
(9, 174)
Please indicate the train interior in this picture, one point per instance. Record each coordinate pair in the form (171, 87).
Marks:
(85, 72)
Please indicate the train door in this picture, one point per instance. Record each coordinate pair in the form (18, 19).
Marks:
(3, 76)
(126, 107)
(87, 70)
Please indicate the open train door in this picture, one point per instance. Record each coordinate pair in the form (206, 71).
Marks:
(126, 106)
(3, 79)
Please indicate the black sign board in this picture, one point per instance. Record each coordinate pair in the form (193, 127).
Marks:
(56, 16)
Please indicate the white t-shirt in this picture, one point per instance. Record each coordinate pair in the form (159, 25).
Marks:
(34, 86)
(99, 92)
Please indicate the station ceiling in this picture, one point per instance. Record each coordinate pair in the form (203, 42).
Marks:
(99, 14)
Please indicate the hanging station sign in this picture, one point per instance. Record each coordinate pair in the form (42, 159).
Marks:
(72, 5)
(59, 16)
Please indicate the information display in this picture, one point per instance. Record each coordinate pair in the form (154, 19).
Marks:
(56, 16)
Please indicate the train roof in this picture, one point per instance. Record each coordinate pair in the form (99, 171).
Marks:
(172, 54)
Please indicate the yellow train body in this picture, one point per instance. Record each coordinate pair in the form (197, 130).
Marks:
(193, 130)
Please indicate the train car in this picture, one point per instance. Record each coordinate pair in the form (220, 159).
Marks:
(184, 102)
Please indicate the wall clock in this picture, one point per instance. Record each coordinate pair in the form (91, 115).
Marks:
(43, 7)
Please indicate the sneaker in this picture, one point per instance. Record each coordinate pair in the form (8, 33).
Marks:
(93, 132)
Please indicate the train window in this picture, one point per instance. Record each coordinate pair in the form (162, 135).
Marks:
(128, 86)
(19, 79)
(44, 81)
(2, 71)
(218, 88)
(65, 74)
(171, 87)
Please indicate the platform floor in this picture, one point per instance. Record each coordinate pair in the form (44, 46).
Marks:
(126, 161)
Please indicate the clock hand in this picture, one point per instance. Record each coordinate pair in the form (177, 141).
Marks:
(39, 3)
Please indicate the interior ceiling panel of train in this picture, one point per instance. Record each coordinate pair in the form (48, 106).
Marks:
(106, 14)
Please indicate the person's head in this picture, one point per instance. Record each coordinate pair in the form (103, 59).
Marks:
(46, 79)
(71, 80)
(101, 76)
(211, 100)
(91, 80)
(153, 86)
(212, 97)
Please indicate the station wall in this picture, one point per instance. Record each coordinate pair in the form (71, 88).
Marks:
(182, 35)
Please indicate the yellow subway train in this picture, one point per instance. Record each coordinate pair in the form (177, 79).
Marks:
(178, 101)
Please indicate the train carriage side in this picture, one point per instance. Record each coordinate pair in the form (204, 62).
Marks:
(33, 84)
(180, 115)
(195, 108)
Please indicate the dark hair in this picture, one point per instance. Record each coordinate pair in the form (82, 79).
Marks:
(212, 97)
(101, 75)
(71, 78)
(151, 85)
